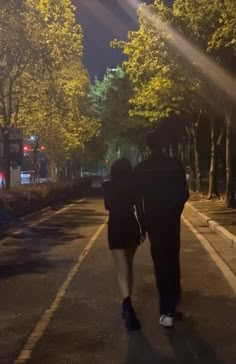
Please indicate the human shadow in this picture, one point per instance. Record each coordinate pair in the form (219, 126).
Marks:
(140, 351)
(65, 226)
(190, 347)
(206, 336)
(197, 339)
(186, 343)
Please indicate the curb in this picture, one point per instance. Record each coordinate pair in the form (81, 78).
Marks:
(213, 225)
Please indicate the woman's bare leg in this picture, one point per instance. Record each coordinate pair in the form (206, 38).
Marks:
(130, 253)
(124, 266)
(123, 259)
(122, 269)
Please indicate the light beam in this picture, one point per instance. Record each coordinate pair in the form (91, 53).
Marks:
(210, 69)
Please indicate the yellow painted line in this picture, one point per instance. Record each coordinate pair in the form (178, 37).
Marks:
(45, 319)
(224, 268)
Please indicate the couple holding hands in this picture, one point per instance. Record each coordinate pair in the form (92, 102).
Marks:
(148, 200)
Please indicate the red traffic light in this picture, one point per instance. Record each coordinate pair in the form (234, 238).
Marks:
(26, 148)
(106, 161)
(43, 148)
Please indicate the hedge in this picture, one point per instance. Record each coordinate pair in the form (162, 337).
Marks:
(24, 200)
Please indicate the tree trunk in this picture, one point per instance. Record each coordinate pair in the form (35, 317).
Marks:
(189, 161)
(230, 193)
(175, 150)
(181, 153)
(7, 162)
(196, 159)
(52, 168)
(184, 154)
(213, 183)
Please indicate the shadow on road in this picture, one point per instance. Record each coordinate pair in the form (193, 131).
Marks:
(206, 336)
(187, 345)
(140, 351)
(190, 347)
(31, 251)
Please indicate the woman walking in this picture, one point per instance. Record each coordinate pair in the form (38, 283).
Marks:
(124, 231)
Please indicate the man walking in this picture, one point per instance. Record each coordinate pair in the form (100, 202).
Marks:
(162, 183)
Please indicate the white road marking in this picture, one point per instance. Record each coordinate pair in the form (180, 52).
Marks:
(44, 321)
(20, 231)
(225, 269)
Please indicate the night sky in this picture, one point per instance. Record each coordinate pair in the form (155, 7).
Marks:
(102, 21)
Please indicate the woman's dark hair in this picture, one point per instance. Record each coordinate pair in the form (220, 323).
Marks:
(120, 169)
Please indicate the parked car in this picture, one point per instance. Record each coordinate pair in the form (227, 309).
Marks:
(25, 177)
(97, 182)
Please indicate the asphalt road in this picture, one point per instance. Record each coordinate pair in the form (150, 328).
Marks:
(60, 301)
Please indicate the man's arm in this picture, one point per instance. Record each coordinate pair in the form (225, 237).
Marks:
(140, 213)
(184, 182)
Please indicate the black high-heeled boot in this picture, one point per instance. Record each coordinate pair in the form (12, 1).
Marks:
(129, 315)
(126, 306)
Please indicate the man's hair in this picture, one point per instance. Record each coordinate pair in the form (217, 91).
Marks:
(166, 133)
(121, 169)
(158, 139)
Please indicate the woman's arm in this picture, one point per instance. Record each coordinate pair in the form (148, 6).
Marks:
(106, 196)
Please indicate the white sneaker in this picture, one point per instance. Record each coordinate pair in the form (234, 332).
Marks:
(166, 321)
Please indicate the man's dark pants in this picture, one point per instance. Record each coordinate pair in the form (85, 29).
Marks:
(164, 236)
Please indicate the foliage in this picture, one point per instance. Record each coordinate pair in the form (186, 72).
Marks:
(26, 200)
(168, 83)
(111, 100)
(61, 33)
(18, 54)
(59, 112)
(43, 83)
(161, 85)
(224, 36)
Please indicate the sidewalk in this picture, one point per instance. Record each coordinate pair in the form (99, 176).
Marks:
(215, 215)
